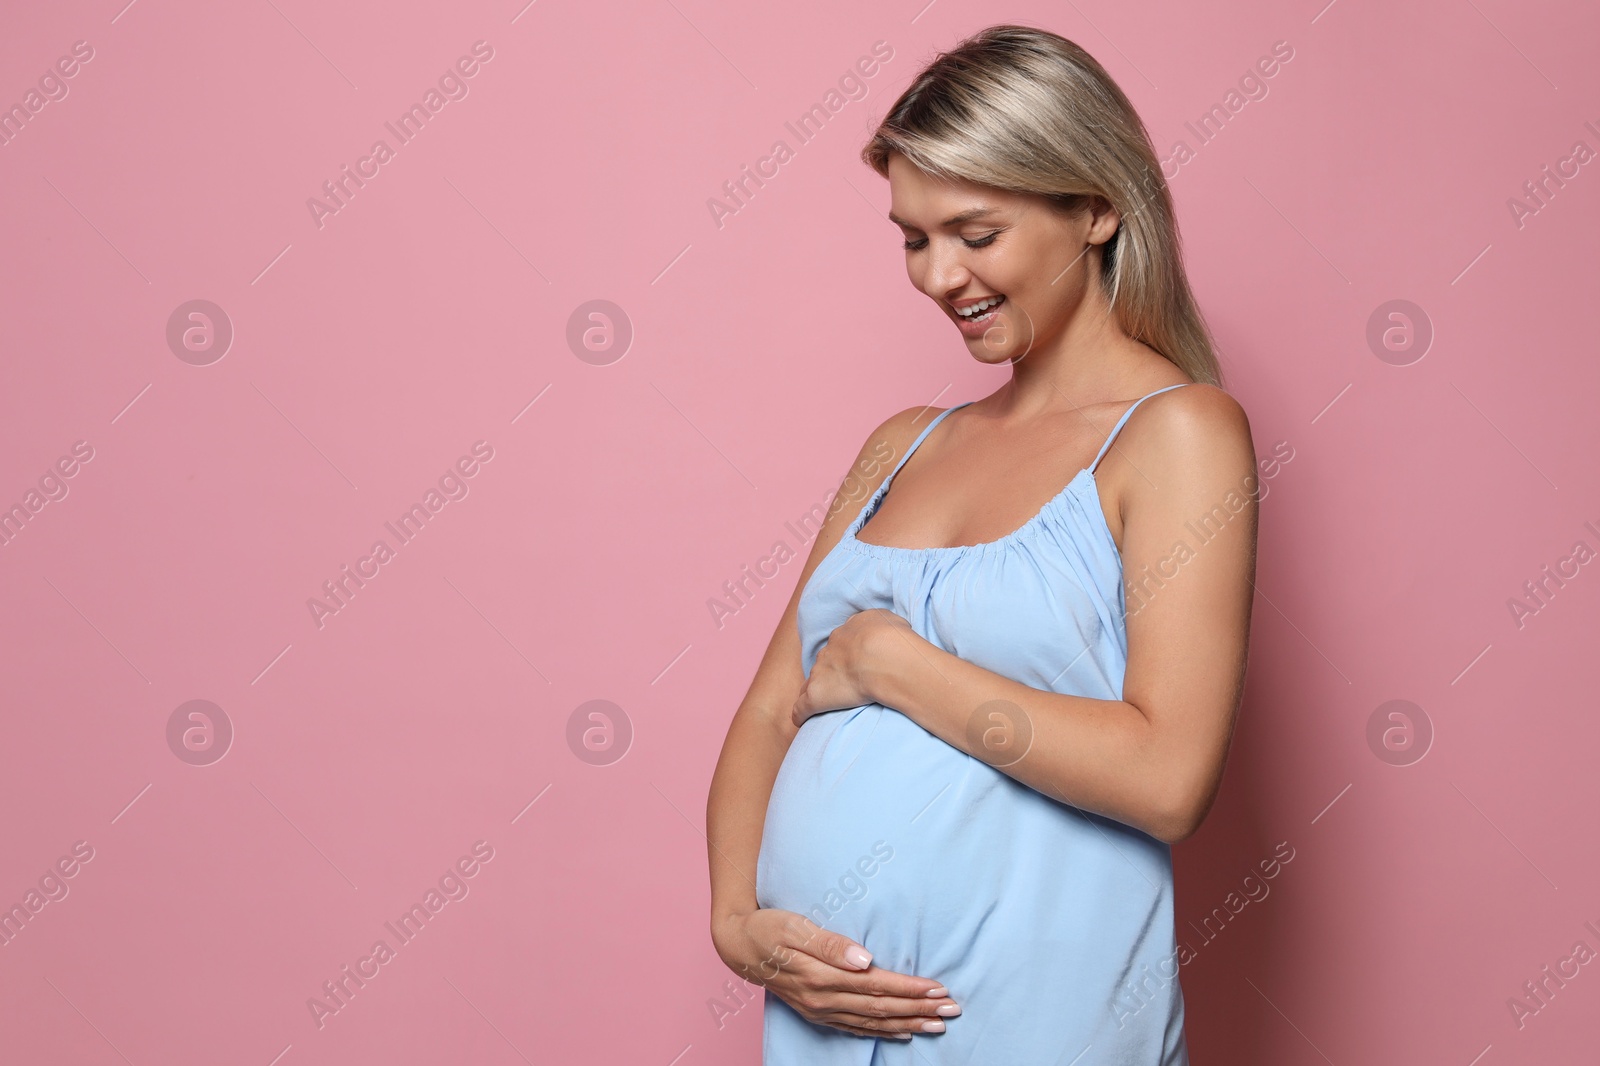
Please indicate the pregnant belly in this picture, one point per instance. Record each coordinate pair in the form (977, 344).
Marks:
(875, 826)
(1034, 913)
(879, 830)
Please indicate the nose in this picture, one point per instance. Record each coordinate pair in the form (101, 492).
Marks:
(947, 273)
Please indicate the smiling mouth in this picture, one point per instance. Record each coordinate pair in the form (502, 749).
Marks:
(981, 311)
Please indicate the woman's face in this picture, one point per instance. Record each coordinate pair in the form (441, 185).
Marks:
(968, 245)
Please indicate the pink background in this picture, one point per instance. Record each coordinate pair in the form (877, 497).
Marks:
(431, 311)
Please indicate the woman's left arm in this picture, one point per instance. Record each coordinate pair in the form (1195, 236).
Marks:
(1154, 758)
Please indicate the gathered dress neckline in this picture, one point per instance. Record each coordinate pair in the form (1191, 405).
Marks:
(1085, 476)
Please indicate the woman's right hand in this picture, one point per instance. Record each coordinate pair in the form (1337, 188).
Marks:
(828, 978)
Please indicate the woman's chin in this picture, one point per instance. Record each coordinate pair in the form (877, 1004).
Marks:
(1006, 341)
(992, 351)
(989, 356)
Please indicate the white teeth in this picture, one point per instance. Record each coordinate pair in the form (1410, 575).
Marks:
(978, 308)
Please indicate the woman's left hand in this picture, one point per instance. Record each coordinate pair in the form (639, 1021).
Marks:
(854, 654)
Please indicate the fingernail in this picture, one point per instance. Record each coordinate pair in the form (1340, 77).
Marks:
(858, 956)
(949, 1010)
(902, 1036)
(938, 993)
(934, 1026)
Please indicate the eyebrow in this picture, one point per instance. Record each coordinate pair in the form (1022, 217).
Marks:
(953, 220)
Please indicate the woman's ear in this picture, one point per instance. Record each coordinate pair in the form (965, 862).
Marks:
(1104, 220)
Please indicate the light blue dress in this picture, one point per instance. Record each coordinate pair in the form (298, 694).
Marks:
(1051, 926)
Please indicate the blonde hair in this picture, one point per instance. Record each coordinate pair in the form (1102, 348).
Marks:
(1025, 110)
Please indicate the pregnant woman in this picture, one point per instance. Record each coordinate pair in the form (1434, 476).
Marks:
(940, 828)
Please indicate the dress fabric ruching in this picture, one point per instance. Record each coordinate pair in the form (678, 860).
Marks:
(1051, 926)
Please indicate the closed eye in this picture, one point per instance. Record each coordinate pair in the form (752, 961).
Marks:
(981, 242)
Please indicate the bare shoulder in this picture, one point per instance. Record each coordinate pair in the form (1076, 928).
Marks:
(1193, 443)
(910, 422)
(892, 438)
(884, 446)
(1198, 420)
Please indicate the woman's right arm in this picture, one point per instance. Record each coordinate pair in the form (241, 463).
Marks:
(814, 970)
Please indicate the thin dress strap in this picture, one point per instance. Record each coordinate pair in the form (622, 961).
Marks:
(916, 443)
(1123, 420)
